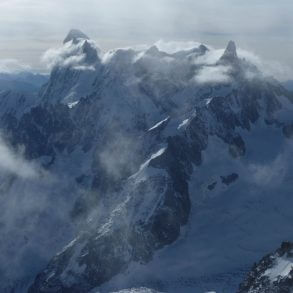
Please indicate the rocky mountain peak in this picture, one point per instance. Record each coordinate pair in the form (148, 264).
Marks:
(230, 54)
(203, 49)
(75, 35)
(90, 52)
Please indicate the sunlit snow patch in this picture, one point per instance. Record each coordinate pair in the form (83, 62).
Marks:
(282, 268)
(208, 101)
(153, 156)
(158, 124)
(71, 105)
(184, 122)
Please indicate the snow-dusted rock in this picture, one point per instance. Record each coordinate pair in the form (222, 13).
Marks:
(128, 132)
(273, 274)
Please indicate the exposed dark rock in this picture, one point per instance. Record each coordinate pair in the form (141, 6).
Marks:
(74, 35)
(288, 130)
(229, 178)
(212, 186)
(261, 280)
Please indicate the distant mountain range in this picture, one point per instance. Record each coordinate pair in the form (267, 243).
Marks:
(22, 82)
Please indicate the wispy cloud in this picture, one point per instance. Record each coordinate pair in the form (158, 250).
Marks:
(175, 46)
(13, 66)
(13, 162)
(68, 55)
(210, 74)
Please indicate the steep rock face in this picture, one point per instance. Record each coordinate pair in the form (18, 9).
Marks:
(230, 54)
(273, 274)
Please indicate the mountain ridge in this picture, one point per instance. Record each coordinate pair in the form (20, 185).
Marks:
(140, 126)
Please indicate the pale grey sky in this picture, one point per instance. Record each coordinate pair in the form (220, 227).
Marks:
(29, 27)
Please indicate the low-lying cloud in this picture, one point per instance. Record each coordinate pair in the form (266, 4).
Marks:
(214, 74)
(69, 55)
(267, 67)
(14, 163)
(13, 66)
(175, 46)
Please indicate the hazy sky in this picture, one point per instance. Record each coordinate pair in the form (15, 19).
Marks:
(29, 27)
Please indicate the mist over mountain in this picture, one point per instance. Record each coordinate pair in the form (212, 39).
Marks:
(162, 168)
(289, 85)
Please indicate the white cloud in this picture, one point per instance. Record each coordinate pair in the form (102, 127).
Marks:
(14, 163)
(12, 66)
(272, 174)
(267, 67)
(210, 58)
(217, 74)
(175, 46)
(69, 55)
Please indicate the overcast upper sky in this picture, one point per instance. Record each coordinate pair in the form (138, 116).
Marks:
(29, 27)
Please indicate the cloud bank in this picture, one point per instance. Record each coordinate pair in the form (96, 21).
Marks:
(217, 74)
(13, 66)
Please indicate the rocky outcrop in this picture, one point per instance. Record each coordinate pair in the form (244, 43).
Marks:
(273, 274)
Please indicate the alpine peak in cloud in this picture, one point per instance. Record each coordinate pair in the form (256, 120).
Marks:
(230, 53)
(169, 170)
(75, 35)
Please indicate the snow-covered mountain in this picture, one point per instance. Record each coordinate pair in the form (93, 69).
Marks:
(273, 274)
(159, 170)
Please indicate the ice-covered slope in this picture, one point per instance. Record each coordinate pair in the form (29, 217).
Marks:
(148, 146)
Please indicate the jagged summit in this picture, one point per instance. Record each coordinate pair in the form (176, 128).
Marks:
(74, 35)
(91, 54)
(203, 49)
(231, 50)
(155, 52)
(230, 53)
